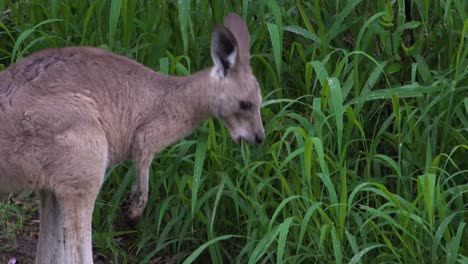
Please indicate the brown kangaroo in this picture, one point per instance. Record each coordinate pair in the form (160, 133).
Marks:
(67, 114)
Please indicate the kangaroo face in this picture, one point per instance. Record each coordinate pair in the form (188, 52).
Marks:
(238, 106)
(238, 99)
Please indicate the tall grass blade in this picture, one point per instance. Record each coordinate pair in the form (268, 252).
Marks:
(357, 257)
(184, 20)
(25, 34)
(200, 249)
(200, 155)
(276, 43)
(282, 239)
(114, 17)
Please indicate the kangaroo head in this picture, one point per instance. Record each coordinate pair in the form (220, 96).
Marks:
(238, 99)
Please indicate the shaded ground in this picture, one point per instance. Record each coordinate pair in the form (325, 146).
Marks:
(23, 252)
(19, 232)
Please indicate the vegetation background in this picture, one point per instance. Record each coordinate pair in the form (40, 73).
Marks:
(365, 110)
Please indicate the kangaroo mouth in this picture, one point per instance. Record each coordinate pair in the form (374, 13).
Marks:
(239, 139)
(242, 134)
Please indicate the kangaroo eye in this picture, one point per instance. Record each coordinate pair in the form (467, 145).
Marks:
(244, 105)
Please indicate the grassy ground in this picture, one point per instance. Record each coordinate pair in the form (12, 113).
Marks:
(365, 111)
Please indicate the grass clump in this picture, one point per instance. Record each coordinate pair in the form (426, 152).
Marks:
(365, 114)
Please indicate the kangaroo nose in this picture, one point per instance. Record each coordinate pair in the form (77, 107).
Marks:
(258, 138)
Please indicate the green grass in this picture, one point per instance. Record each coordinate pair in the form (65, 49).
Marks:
(365, 111)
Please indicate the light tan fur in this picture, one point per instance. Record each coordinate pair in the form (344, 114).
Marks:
(67, 114)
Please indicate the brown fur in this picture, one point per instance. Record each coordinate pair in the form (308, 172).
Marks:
(67, 114)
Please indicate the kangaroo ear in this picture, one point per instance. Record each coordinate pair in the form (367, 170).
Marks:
(224, 50)
(240, 31)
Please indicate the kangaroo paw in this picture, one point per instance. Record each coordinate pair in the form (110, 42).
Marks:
(133, 207)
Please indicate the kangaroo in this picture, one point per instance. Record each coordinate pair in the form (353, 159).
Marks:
(68, 114)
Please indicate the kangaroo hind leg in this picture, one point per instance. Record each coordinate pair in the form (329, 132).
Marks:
(50, 247)
(74, 181)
